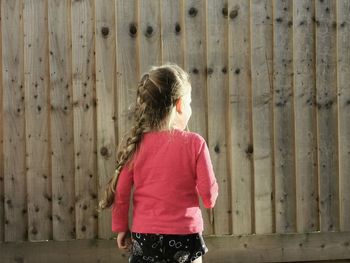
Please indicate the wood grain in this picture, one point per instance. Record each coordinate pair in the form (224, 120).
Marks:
(37, 108)
(61, 117)
(343, 92)
(261, 68)
(239, 123)
(305, 115)
(327, 115)
(84, 103)
(285, 200)
(217, 90)
(105, 94)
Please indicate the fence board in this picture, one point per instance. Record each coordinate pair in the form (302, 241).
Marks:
(36, 77)
(83, 64)
(149, 38)
(327, 117)
(195, 65)
(62, 133)
(305, 116)
(172, 36)
(343, 80)
(2, 190)
(217, 106)
(285, 198)
(105, 84)
(239, 117)
(127, 32)
(14, 166)
(261, 66)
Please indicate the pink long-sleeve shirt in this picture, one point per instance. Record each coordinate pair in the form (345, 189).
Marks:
(168, 172)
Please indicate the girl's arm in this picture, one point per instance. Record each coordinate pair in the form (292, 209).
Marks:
(120, 210)
(206, 182)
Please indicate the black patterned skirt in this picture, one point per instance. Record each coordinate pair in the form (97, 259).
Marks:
(166, 248)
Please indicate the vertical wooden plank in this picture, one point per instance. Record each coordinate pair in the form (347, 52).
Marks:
(36, 79)
(343, 80)
(240, 117)
(127, 57)
(2, 212)
(261, 66)
(285, 200)
(62, 133)
(195, 65)
(305, 121)
(305, 115)
(217, 90)
(127, 34)
(327, 114)
(172, 26)
(149, 41)
(195, 62)
(105, 83)
(13, 122)
(83, 64)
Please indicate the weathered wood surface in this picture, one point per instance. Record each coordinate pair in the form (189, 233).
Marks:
(270, 95)
(61, 121)
(283, 114)
(327, 114)
(262, 115)
(343, 80)
(84, 109)
(14, 218)
(217, 90)
(105, 96)
(37, 128)
(305, 116)
(239, 121)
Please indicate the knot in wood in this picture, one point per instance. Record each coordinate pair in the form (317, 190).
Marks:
(104, 151)
(217, 148)
(105, 31)
(132, 30)
(177, 28)
(249, 149)
(234, 13)
(193, 11)
(149, 31)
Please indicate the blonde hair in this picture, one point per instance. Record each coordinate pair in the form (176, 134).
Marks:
(157, 94)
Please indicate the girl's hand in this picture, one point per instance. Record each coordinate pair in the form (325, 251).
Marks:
(124, 241)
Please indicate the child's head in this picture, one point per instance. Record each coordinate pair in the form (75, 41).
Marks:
(163, 98)
(162, 103)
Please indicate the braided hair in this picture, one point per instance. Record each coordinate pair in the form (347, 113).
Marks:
(157, 93)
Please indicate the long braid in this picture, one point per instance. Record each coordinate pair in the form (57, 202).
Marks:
(126, 153)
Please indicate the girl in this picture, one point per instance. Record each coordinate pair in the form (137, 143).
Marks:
(168, 167)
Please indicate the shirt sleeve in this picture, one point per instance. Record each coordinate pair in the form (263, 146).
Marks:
(207, 186)
(120, 209)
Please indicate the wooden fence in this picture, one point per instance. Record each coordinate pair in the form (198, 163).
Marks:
(271, 95)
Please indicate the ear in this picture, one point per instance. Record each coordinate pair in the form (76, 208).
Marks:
(179, 105)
